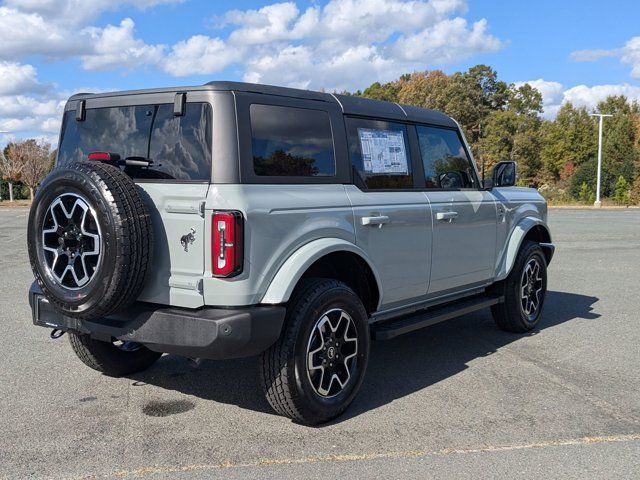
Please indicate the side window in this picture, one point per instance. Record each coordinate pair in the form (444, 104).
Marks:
(379, 152)
(446, 164)
(291, 142)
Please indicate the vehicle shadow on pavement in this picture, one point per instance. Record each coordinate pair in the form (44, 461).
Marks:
(397, 367)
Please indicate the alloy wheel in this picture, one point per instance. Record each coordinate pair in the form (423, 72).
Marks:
(71, 241)
(331, 352)
(531, 286)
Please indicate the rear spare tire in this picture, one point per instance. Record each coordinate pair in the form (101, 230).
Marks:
(89, 239)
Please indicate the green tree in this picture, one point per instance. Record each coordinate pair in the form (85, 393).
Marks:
(568, 142)
(524, 100)
(514, 133)
(469, 97)
(619, 145)
(387, 92)
(585, 193)
(622, 191)
(634, 194)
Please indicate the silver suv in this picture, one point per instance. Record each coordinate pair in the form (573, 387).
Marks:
(231, 220)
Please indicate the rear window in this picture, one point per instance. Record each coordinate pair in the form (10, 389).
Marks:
(291, 142)
(178, 146)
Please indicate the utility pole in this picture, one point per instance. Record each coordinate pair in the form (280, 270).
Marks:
(601, 116)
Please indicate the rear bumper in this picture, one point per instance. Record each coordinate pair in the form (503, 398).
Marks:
(214, 333)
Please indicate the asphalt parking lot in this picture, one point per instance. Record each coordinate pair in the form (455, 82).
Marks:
(460, 399)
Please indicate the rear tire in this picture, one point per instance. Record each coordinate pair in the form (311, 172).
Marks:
(313, 372)
(528, 278)
(90, 239)
(110, 359)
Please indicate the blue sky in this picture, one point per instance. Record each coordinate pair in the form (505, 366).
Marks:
(577, 51)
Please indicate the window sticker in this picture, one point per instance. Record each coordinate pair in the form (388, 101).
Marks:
(383, 152)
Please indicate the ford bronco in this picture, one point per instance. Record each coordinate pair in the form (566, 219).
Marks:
(232, 220)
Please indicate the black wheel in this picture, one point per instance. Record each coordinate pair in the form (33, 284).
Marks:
(313, 372)
(89, 239)
(112, 358)
(524, 290)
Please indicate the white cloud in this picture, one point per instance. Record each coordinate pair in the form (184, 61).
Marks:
(628, 54)
(589, 97)
(448, 41)
(58, 29)
(18, 78)
(555, 95)
(338, 45)
(23, 33)
(78, 12)
(199, 55)
(116, 47)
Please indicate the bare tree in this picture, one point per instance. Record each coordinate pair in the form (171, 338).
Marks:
(11, 166)
(36, 163)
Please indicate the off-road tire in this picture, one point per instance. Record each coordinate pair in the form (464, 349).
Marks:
(126, 239)
(510, 316)
(109, 359)
(283, 366)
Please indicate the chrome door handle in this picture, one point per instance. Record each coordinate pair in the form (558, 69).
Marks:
(446, 215)
(377, 220)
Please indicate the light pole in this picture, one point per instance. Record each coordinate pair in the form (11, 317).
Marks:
(598, 203)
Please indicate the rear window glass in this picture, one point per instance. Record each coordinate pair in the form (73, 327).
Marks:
(379, 153)
(291, 142)
(179, 147)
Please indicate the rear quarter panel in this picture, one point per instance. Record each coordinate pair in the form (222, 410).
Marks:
(279, 219)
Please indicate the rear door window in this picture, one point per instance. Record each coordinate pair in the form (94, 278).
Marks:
(178, 146)
(379, 153)
(291, 142)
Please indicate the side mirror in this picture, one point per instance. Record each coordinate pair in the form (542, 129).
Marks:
(504, 174)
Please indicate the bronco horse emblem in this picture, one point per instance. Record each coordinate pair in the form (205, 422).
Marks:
(188, 239)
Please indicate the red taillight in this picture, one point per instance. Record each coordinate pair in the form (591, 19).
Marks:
(227, 247)
(102, 156)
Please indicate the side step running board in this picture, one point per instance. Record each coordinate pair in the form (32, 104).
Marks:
(392, 328)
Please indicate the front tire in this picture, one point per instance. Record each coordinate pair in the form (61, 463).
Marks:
(524, 291)
(112, 359)
(313, 372)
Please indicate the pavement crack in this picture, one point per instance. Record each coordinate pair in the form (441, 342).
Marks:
(271, 462)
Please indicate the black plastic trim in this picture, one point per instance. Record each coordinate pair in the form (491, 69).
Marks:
(213, 333)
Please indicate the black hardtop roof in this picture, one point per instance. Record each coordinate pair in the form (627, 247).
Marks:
(350, 105)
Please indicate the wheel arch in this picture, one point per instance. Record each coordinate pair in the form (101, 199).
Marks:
(330, 258)
(529, 228)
